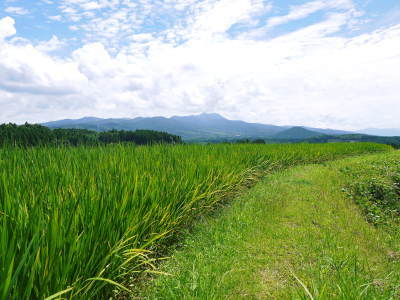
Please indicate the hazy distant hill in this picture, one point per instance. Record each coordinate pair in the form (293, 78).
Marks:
(296, 133)
(381, 132)
(203, 127)
(328, 131)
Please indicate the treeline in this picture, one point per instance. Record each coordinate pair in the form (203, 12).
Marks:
(248, 141)
(393, 141)
(38, 135)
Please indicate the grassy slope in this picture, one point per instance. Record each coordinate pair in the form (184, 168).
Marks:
(296, 226)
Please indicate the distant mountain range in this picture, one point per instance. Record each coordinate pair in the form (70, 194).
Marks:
(213, 127)
(203, 127)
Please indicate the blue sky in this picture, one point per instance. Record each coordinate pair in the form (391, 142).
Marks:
(40, 20)
(327, 63)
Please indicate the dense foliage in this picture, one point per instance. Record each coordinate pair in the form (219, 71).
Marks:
(35, 135)
(75, 137)
(139, 137)
(376, 188)
(25, 135)
(247, 141)
(72, 219)
(393, 141)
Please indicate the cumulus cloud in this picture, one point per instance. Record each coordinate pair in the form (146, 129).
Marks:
(51, 45)
(26, 69)
(7, 28)
(311, 76)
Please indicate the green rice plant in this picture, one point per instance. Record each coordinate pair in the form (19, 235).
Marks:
(80, 222)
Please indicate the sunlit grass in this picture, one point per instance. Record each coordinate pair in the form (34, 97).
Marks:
(77, 222)
(295, 235)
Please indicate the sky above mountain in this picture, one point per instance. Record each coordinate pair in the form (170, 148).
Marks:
(320, 63)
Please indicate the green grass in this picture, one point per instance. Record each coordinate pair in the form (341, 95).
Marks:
(79, 222)
(295, 235)
(375, 187)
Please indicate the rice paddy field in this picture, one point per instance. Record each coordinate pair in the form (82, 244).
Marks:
(81, 223)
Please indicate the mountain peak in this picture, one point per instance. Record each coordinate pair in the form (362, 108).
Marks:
(201, 117)
(89, 119)
(213, 116)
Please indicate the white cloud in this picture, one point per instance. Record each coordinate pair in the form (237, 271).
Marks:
(25, 70)
(90, 5)
(51, 45)
(310, 76)
(7, 28)
(221, 15)
(301, 11)
(94, 61)
(55, 18)
(16, 10)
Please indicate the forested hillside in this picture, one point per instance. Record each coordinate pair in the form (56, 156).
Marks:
(38, 135)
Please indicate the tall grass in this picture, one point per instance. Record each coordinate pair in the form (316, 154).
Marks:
(375, 187)
(77, 222)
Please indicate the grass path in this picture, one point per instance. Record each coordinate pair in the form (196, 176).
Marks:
(294, 236)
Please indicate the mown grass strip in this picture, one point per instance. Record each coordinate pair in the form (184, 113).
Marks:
(296, 235)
